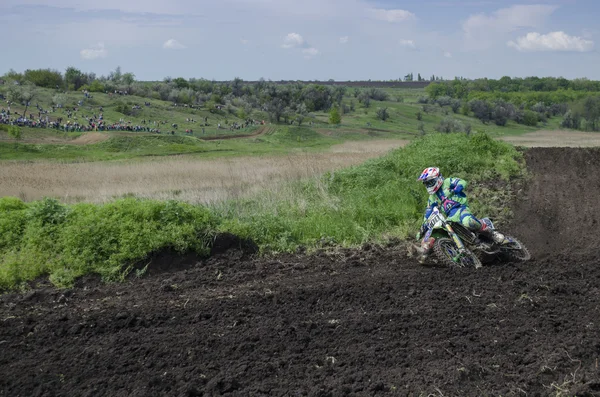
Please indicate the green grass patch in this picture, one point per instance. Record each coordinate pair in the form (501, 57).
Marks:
(376, 199)
(65, 242)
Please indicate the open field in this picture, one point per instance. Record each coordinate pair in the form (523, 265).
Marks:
(365, 322)
(555, 138)
(182, 178)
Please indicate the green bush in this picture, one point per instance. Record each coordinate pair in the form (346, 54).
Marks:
(46, 237)
(530, 118)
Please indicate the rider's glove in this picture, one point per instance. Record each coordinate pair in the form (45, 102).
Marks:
(457, 189)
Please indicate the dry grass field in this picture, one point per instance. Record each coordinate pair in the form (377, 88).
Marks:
(183, 178)
(556, 138)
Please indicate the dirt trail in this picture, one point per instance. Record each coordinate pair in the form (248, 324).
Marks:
(353, 323)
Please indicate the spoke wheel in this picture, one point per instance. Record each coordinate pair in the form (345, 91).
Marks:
(447, 252)
(516, 250)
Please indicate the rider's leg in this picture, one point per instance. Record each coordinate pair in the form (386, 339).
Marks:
(468, 220)
(426, 249)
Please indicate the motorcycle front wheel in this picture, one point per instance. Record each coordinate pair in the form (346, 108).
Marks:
(447, 253)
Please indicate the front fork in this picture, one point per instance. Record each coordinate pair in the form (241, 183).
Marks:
(457, 241)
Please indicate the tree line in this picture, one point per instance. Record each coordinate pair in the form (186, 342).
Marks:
(288, 103)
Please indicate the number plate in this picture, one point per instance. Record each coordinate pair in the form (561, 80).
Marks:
(432, 221)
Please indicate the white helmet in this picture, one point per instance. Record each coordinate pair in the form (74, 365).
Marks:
(432, 179)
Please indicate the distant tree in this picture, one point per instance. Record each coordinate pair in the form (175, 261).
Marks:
(180, 82)
(74, 78)
(570, 120)
(128, 78)
(237, 86)
(383, 114)
(501, 113)
(467, 128)
(44, 77)
(11, 75)
(23, 93)
(97, 86)
(464, 110)
(449, 124)
(591, 112)
(455, 104)
(377, 94)
(116, 75)
(419, 78)
(365, 99)
(419, 116)
(301, 113)
(275, 108)
(334, 116)
(421, 128)
(530, 118)
(59, 99)
(338, 93)
(481, 109)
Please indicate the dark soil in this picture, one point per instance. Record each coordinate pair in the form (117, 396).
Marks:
(350, 323)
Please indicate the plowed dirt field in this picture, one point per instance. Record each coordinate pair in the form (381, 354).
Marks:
(363, 322)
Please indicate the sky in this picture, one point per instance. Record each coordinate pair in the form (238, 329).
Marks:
(304, 39)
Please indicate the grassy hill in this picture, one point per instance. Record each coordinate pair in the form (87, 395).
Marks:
(315, 133)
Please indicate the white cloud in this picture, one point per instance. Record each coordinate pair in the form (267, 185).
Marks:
(344, 40)
(310, 52)
(448, 54)
(173, 44)
(481, 31)
(553, 41)
(391, 15)
(95, 52)
(292, 40)
(407, 43)
(244, 41)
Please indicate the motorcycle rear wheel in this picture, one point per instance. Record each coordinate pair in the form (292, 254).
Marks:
(446, 251)
(520, 255)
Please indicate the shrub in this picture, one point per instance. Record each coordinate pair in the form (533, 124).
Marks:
(448, 125)
(46, 237)
(383, 114)
(530, 118)
(334, 116)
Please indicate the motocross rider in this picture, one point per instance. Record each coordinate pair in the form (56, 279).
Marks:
(448, 194)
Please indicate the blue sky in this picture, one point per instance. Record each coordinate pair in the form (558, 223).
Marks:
(307, 40)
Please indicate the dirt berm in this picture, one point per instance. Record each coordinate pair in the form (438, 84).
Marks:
(356, 323)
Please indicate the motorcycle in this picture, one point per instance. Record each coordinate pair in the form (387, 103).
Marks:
(457, 246)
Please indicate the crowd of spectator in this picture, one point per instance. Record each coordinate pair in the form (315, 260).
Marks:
(75, 119)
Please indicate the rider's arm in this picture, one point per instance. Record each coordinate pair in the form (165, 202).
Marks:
(457, 185)
(431, 203)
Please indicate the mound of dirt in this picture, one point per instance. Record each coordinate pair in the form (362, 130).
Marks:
(557, 212)
(363, 322)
